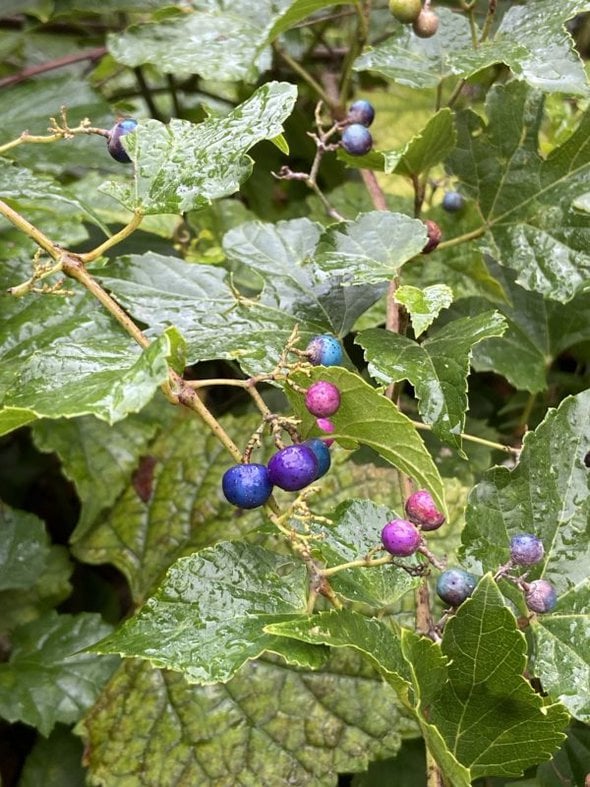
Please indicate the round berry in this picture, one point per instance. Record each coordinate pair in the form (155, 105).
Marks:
(421, 510)
(455, 585)
(293, 468)
(526, 549)
(326, 426)
(401, 537)
(452, 201)
(324, 350)
(434, 233)
(362, 112)
(322, 399)
(540, 596)
(406, 11)
(114, 145)
(356, 139)
(247, 486)
(426, 24)
(322, 454)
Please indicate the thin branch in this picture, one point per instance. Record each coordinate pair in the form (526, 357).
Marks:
(146, 93)
(508, 449)
(28, 229)
(304, 74)
(125, 232)
(50, 65)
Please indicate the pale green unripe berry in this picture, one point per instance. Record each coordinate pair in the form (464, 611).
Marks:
(406, 11)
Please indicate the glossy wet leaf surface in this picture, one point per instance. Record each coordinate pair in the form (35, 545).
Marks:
(425, 305)
(24, 548)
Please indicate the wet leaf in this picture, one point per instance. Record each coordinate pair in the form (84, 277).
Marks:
(24, 548)
(425, 305)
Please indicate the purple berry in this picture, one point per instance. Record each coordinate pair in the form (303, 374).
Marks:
(434, 236)
(293, 468)
(356, 139)
(324, 350)
(452, 201)
(455, 585)
(362, 112)
(326, 426)
(114, 145)
(526, 549)
(540, 596)
(401, 537)
(322, 399)
(247, 485)
(421, 509)
(322, 454)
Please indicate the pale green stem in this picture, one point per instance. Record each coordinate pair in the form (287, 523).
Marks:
(473, 439)
(127, 230)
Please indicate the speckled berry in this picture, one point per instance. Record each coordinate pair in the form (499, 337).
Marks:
(421, 509)
(426, 24)
(455, 585)
(356, 139)
(452, 201)
(247, 485)
(293, 468)
(434, 233)
(401, 537)
(324, 350)
(114, 145)
(322, 399)
(526, 549)
(326, 426)
(322, 454)
(405, 11)
(540, 596)
(362, 112)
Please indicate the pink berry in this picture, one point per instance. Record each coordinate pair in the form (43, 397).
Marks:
(322, 399)
(401, 537)
(421, 509)
(326, 426)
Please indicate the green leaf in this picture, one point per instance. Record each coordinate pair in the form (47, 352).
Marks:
(171, 505)
(55, 761)
(433, 144)
(217, 320)
(355, 529)
(24, 548)
(371, 249)
(47, 680)
(268, 725)
(525, 200)
(425, 305)
(207, 618)
(437, 368)
(526, 41)
(570, 762)
(489, 717)
(366, 417)
(296, 12)
(182, 166)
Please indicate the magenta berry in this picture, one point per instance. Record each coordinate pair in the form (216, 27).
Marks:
(322, 399)
(293, 468)
(434, 236)
(247, 485)
(326, 426)
(421, 510)
(526, 549)
(540, 596)
(401, 537)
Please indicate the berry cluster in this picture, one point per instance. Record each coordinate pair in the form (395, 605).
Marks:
(527, 550)
(292, 468)
(411, 12)
(403, 537)
(356, 138)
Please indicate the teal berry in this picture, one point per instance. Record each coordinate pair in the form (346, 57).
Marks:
(400, 537)
(362, 112)
(324, 350)
(114, 145)
(452, 201)
(540, 596)
(247, 485)
(293, 468)
(455, 585)
(356, 139)
(526, 549)
(322, 454)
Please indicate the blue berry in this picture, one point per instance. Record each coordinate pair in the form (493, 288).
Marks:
(540, 596)
(400, 537)
(293, 468)
(362, 112)
(322, 454)
(114, 145)
(453, 201)
(324, 350)
(247, 485)
(455, 585)
(421, 509)
(356, 139)
(526, 549)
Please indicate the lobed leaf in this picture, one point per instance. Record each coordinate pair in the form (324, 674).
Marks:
(24, 548)
(425, 305)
